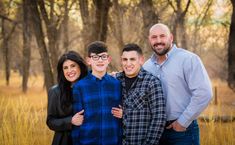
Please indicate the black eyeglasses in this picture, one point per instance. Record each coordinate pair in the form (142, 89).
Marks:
(97, 57)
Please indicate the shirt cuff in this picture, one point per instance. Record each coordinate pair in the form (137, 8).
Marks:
(183, 121)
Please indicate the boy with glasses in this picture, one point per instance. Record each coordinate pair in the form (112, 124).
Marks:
(97, 93)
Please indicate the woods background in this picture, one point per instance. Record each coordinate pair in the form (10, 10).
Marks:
(34, 33)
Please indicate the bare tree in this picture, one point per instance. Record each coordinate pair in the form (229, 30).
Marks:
(101, 18)
(86, 22)
(8, 26)
(37, 27)
(116, 22)
(52, 32)
(5, 53)
(149, 15)
(5, 48)
(149, 18)
(201, 19)
(26, 45)
(231, 50)
(65, 26)
(179, 29)
(97, 29)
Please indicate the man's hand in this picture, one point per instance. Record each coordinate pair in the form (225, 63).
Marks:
(176, 126)
(117, 112)
(77, 119)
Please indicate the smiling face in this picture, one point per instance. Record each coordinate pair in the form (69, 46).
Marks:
(71, 70)
(160, 39)
(131, 63)
(99, 62)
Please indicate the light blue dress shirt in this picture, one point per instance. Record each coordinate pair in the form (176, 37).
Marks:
(185, 82)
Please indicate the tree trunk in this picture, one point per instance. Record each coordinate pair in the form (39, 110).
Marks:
(117, 24)
(37, 27)
(87, 24)
(5, 53)
(26, 45)
(65, 26)
(94, 30)
(179, 30)
(101, 19)
(52, 33)
(231, 50)
(149, 18)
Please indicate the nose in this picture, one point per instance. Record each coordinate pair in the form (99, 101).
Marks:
(70, 69)
(128, 62)
(157, 39)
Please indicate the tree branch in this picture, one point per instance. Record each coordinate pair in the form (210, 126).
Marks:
(10, 20)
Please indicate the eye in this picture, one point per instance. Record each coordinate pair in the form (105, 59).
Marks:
(95, 56)
(133, 59)
(104, 57)
(154, 36)
(162, 36)
(65, 67)
(73, 65)
(124, 59)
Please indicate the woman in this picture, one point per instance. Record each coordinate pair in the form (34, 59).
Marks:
(70, 68)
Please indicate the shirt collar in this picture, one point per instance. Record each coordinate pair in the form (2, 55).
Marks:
(105, 77)
(121, 75)
(168, 55)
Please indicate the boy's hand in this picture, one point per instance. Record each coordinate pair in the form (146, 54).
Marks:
(117, 112)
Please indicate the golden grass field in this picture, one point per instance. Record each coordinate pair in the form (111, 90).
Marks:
(23, 116)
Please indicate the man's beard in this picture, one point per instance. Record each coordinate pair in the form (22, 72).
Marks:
(163, 52)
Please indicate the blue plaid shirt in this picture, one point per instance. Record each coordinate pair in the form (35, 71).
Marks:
(97, 97)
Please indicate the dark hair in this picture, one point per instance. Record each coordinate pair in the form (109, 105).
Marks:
(132, 47)
(97, 47)
(63, 83)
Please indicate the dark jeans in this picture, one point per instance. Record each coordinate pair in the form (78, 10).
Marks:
(188, 137)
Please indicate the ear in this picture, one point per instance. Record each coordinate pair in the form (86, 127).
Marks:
(171, 37)
(88, 60)
(141, 59)
(109, 59)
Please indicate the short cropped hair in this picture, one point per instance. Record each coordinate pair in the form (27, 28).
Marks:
(97, 47)
(132, 47)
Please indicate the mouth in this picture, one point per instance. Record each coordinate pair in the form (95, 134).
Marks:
(71, 75)
(128, 69)
(159, 44)
(100, 65)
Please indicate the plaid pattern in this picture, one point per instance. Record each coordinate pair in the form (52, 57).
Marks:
(97, 97)
(144, 114)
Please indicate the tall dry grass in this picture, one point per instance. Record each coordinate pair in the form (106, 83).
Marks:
(217, 133)
(23, 116)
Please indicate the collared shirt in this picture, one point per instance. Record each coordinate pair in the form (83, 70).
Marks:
(97, 97)
(143, 110)
(186, 84)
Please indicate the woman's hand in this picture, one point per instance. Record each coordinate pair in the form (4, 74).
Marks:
(77, 119)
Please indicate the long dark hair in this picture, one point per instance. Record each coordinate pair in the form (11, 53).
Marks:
(63, 83)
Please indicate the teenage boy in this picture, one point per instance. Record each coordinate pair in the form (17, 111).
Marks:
(97, 93)
(143, 102)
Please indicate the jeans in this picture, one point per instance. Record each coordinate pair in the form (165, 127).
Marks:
(188, 137)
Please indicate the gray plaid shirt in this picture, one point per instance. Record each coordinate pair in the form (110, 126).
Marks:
(144, 113)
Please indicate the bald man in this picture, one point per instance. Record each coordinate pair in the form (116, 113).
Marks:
(186, 86)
